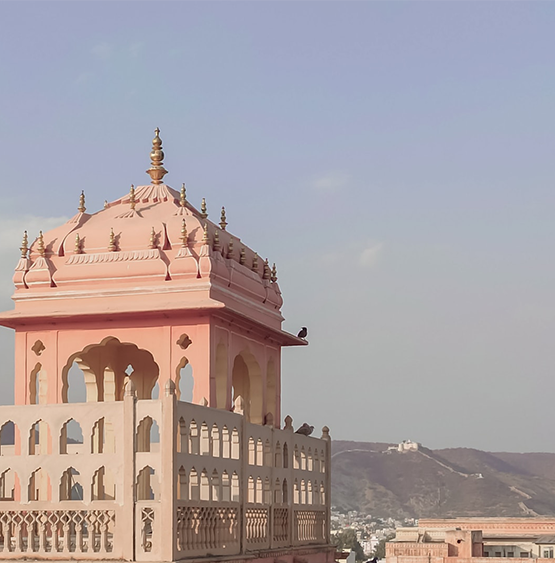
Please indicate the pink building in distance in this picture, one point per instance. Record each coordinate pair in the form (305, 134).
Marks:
(125, 299)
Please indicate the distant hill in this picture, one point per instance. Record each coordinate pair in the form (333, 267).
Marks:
(441, 483)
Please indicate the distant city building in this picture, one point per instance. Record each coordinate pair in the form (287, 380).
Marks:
(470, 539)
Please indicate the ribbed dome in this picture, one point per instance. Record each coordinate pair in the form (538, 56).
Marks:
(149, 242)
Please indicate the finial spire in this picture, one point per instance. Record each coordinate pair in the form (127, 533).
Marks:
(132, 199)
(216, 246)
(230, 249)
(254, 267)
(273, 275)
(40, 246)
(77, 244)
(266, 272)
(182, 197)
(203, 212)
(205, 236)
(112, 243)
(82, 207)
(24, 245)
(156, 170)
(223, 222)
(242, 256)
(184, 235)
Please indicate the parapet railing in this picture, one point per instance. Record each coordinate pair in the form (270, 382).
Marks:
(102, 480)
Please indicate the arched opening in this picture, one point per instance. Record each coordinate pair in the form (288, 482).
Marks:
(277, 492)
(285, 456)
(9, 439)
(76, 386)
(204, 486)
(155, 395)
(246, 379)
(184, 381)
(38, 386)
(182, 485)
(147, 485)
(215, 495)
(71, 487)
(182, 440)
(39, 438)
(103, 439)
(148, 435)
(226, 487)
(235, 487)
(103, 485)
(104, 369)
(71, 437)
(39, 486)
(271, 389)
(9, 485)
(221, 376)
(285, 495)
(194, 486)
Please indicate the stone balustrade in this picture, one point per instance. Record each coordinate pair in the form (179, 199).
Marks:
(115, 480)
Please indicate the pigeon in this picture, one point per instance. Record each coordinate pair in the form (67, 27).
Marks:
(305, 429)
(303, 332)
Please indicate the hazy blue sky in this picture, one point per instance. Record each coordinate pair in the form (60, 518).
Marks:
(395, 159)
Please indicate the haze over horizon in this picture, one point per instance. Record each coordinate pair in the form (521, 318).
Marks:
(394, 159)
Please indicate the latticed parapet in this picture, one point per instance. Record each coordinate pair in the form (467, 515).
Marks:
(145, 471)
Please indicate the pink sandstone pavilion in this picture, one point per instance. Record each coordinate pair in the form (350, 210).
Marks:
(131, 295)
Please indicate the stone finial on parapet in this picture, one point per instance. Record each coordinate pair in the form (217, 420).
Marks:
(326, 433)
(239, 405)
(203, 209)
(130, 389)
(203, 402)
(182, 196)
(156, 170)
(82, 207)
(288, 423)
(223, 222)
(77, 249)
(269, 419)
(169, 388)
(40, 245)
(24, 245)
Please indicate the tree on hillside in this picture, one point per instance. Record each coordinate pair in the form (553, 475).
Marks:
(379, 550)
(347, 540)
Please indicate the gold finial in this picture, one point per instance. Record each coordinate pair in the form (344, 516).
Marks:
(205, 236)
(112, 244)
(77, 244)
(230, 249)
(40, 246)
(24, 245)
(82, 207)
(266, 271)
(216, 240)
(105, 204)
(242, 256)
(132, 200)
(184, 235)
(182, 197)
(273, 276)
(152, 243)
(156, 170)
(223, 222)
(255, 263)
(203, 212)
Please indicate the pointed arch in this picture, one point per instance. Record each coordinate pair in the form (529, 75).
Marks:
(71, 487)
(40, 439)
(103, 485)
(147, 484)
(148, 435)
(103, 438)
(71, 437)
(39, 486)
(184, 381)
(182, 485)
(246, 378)
(38, 385)
(10, 441)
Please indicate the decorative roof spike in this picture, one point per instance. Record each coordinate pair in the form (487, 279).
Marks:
(242, 257)
(223, 222)
(254, 267)
(216, 246)
(203, 212)
(152, 243)
(183, 196)
(82, 207)
(184, 236)
(40, 246)
(112, 244)
(132, 199)
(106, 205)
(156, 170)
(266, 272)
(230, 249)
(273, 276)
(205, 236)
(24, 245)
(77, 244)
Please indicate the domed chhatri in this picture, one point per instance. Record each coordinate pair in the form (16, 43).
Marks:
(148, 316)
(115, 254)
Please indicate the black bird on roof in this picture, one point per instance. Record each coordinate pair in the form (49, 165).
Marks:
(305, 429)
(303, 332)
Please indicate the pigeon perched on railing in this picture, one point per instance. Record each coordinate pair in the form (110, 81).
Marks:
(303, 332)
(305, 429)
